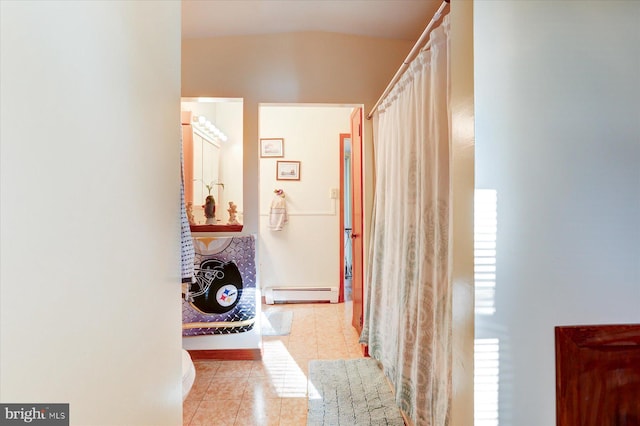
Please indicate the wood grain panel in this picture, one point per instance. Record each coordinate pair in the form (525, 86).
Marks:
(216, 228)
(598, 375)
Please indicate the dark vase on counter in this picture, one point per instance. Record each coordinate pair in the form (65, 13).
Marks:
(210, 210)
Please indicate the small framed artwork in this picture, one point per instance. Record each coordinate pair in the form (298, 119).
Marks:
(272, 147)
(288, 170)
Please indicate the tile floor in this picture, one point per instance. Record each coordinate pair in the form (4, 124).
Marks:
(272, 391)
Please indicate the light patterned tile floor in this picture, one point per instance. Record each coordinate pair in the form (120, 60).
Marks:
(273, 391)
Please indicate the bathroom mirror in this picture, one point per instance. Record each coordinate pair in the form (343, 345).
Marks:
(212, 149)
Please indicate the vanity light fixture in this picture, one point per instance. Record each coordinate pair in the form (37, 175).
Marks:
(201, 123)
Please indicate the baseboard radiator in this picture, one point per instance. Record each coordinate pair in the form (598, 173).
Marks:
(300, 295)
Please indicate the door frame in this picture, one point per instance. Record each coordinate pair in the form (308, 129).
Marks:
(341, 240)
(357, 212)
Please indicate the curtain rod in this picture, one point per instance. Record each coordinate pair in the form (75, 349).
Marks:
(414, 51)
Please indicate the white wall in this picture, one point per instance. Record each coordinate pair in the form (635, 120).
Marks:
(557, 89)
(89, 170)
(306, 251)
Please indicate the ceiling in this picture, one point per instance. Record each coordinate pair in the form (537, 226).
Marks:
(397, 19)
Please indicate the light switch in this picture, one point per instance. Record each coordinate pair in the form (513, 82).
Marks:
(333, 193)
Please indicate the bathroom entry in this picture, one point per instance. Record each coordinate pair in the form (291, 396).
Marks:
(304, 257)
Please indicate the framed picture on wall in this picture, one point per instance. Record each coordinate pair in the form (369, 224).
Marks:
(272, 147)
(288, 170)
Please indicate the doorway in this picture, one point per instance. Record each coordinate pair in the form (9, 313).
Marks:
(307, 253)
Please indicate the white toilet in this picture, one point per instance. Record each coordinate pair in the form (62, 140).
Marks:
(188, 374)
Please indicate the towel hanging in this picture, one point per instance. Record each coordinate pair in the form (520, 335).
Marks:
(278, 211)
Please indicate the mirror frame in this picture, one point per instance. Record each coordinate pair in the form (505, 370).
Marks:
(186, 117)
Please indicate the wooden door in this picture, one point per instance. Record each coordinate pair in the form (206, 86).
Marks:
(187, 156)
(357, 219)
(598, 375)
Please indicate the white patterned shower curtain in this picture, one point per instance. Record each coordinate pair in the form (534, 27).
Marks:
(408, 306)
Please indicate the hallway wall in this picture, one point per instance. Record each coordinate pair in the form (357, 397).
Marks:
(89, 209)
(557, 125)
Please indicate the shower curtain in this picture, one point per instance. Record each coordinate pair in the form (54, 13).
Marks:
(408, 306)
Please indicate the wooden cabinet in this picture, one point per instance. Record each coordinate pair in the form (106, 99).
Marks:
(598, 375)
